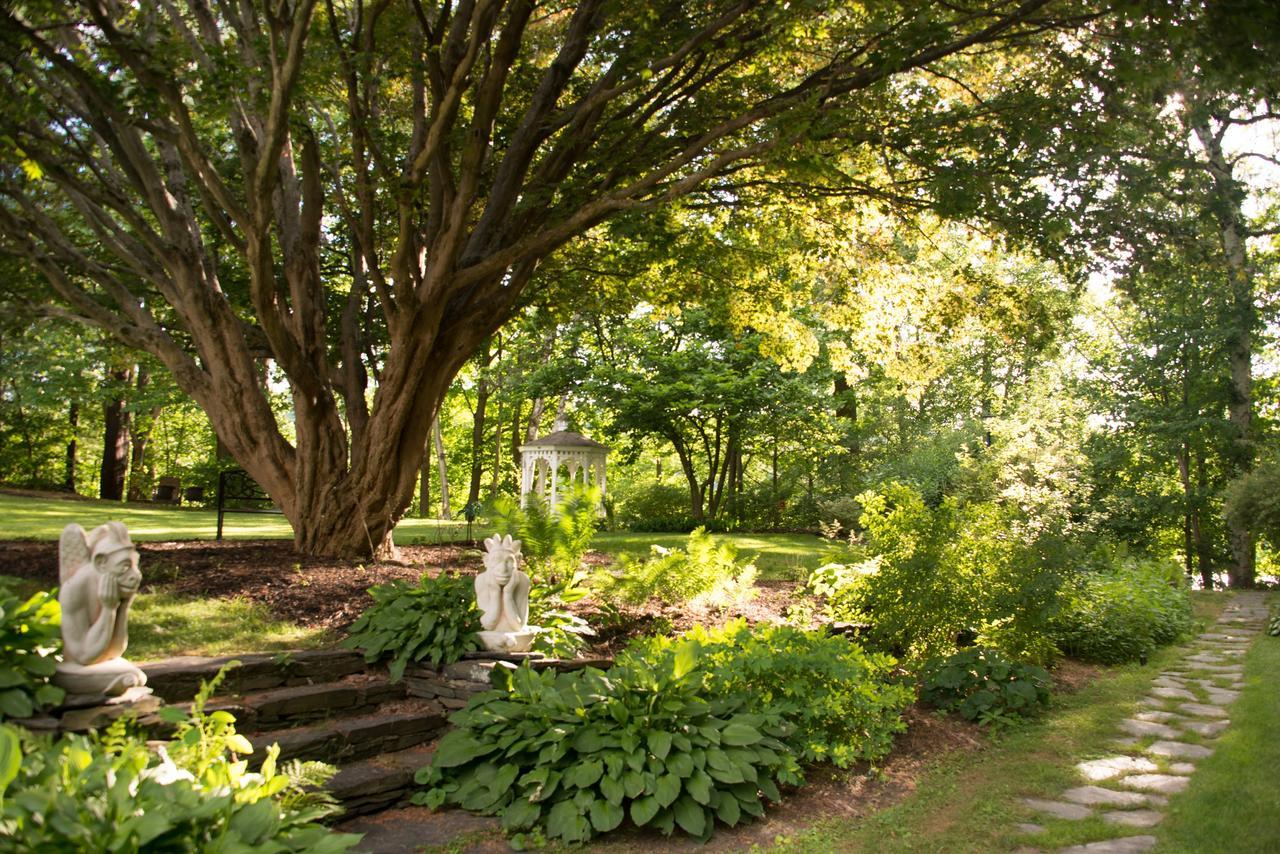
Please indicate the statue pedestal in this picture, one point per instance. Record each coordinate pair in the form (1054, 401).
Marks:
(508, 641)
(109, 678)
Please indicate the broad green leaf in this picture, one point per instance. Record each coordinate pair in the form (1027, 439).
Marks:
(740, 734)
(659, 743)
(644, 809)
(605, 816)
(667, 789)
(691, 816)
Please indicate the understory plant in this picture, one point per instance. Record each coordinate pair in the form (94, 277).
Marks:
(29, 641)
(705, 571)
(1122, 610)
(111, 792)
(575, 754)
(983, 686)
(844, 704)
(435, 620)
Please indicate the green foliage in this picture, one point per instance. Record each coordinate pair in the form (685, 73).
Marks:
(1123, 611)
(983, 686)
(844, 703)
(111, 792)
(435, 620)
(938, 572)
(657, 508)
(1252, 501)
(1273, 627)
(705, 570)
(552, 545)
(29, 639)
(575, 754)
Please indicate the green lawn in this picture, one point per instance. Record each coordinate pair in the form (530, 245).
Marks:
(778, 556)
(23, 518)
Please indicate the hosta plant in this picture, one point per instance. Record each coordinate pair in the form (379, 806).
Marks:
(571, 755)
(845, 704)
(982, 686)
(435, 620)
(29, 640)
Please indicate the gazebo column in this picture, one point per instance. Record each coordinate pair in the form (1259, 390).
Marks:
(555, 476)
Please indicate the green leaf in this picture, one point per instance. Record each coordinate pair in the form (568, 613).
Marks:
(643, 810)
(605, 816)
(613, 790)
(585, 774)
(728, 811)
(740, 734)
(16, 703)
(255, 822)
(458, 748)
(699, 786)
(667, 789)
(520, 814)
(659, 743)
(588, 741)
(10, 757)
(691, 817)
(565, 822)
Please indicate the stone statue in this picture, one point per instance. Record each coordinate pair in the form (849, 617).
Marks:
(502, 593)
(99, 576)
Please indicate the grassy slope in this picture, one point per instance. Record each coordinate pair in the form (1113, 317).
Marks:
(1233, 802)
(971, 802)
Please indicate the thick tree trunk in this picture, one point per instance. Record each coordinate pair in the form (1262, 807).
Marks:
(424, 485)
(139, 485)
(73, 418)
(115, 442)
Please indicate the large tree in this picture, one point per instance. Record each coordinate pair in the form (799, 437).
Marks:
(361, 192)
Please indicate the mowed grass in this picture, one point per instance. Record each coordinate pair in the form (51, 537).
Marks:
(162, 625)
(971, 802)
(1233, 802)
(23, 518)
(777, 556)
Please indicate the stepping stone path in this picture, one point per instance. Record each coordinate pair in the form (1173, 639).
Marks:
(1186, 709)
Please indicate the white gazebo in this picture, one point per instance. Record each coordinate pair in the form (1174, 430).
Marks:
(541, 462)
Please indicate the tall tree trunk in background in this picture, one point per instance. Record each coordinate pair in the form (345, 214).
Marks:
(477, 434)
(1226, 206)
(496, 477)
(437, 436)
(139, 488)
(424, 483)
(115, 441)
(846, 408)
(73, 418)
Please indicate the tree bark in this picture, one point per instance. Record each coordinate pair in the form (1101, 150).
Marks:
(446, 512)
(424, 485)
(73, 418)
(115, 440)
(477, 433)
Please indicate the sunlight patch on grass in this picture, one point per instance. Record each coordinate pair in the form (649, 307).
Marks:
(163, 625)
(777, 556)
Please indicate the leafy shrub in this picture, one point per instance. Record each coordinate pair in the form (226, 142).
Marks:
(110, 792)
(838, 515)
(844, 703)
(657, 508)
(983, 686)
(576, 754)
(1123, 612)
(1273, 627)
(704, 571)
(937, 573)
(29, 638)
(435, 620)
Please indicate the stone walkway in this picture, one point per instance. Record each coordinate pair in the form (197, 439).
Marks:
(1184, 713)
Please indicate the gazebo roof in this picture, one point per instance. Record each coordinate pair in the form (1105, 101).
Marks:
(565, 439)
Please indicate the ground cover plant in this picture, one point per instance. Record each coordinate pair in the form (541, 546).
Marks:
(435, 620)
(844, 704)
(111, 792)
(30, 638)
(982, 686)
(575, 754)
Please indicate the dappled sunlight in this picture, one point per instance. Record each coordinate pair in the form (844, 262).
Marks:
(163, 625)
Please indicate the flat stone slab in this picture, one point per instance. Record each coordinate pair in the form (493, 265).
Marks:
(1182, 768)
(1207, 729)
(1145, 728)
(1203, 711)
(1029, 827)
(1098, 796)
(1059, 809)
(1134, 818)
(1165, 784)
(1123, 845)
(1173, 693)
(1157, 716)
(1114, 766)
(1179, 749)
(1221, 696)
